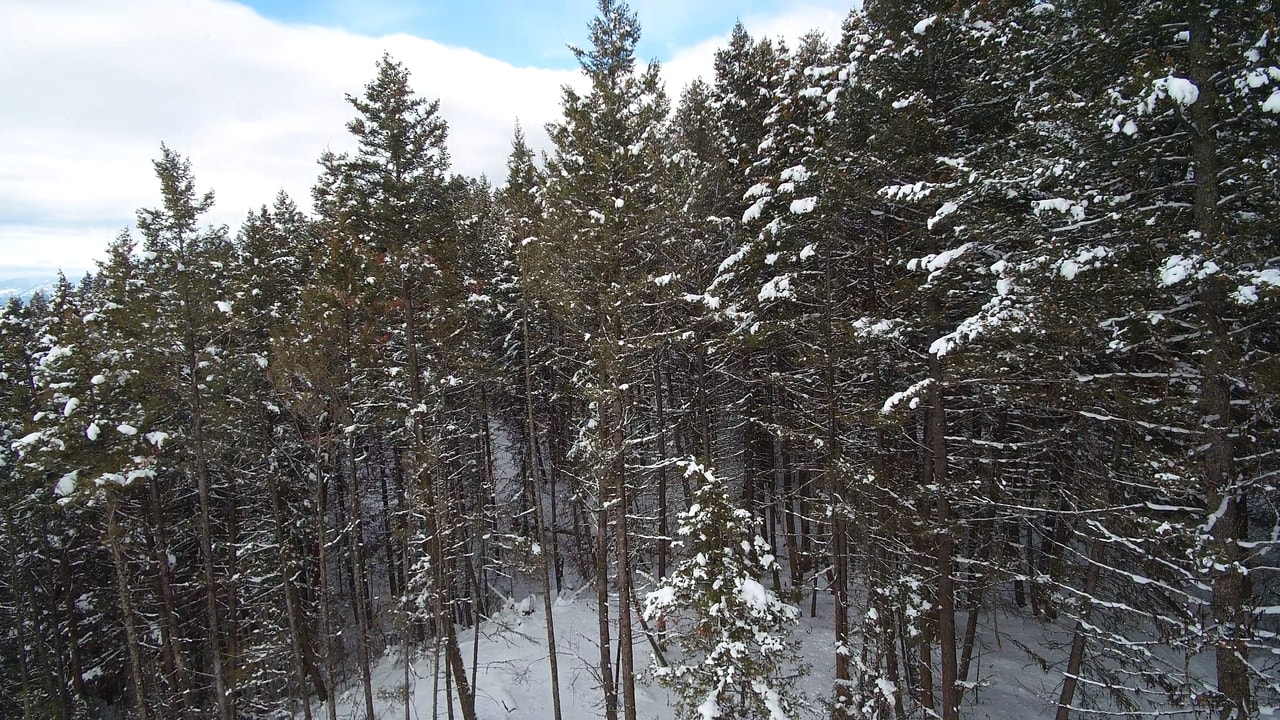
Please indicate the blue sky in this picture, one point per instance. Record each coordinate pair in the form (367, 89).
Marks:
(522, 33)
(252, 91)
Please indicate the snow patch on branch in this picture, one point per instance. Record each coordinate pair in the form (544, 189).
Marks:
(911, 396)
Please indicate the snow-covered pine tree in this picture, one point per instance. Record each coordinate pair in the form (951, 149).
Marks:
(606, 204)
(737, 658)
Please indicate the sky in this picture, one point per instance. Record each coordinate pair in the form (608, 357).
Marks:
(252, 92)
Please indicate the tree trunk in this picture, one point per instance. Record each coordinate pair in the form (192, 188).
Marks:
(531, 444)
(1221, 496)
(126, 607)
(1076, 660)
(359, 600)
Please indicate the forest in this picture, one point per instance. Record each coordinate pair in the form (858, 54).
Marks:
(963, 321)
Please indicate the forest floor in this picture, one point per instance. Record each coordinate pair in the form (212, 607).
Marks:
(513, 676)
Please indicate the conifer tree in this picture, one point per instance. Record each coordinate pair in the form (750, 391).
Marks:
(737, 655)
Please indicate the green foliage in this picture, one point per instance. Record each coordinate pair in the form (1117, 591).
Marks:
(737, 657)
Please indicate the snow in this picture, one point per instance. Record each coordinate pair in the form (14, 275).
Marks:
(753, 594)
(924, 24)
(710, 709)
(1061, 205)
(97, 379)
(754, 211)
(946, 209)
(66, 484)
(1181, 90)
(803, 205)
(908, 193)
(223, 306)
(912, 393)
(1177, 268)
(70, 407)
(126, 429)
(936, 263)
(92, 431)
(807, 252)
(1272, 104)
(778, 287)
(797, 173)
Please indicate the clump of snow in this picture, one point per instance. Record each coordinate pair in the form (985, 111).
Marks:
(92, 431)
(924, 24)
(1061, 205)
(936, 263)
(778, 287)
(753, 594)
(1177, 268)
(798, 173)
(803, 205)
(126, 429)
(754, 211)
(1247, 294)
(710, 708)
(1180, 90)
(946, 209)
(1272, 104)
(911, 394)
(70, 407)
(223, 306)
(66, 484)
(909, 192)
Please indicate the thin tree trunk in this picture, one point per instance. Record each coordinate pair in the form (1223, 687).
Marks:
(291, 606)
(531, 444)
(126, 607)
(359, 600)
(1221, 497)
(945, 554)
(602, 599)
(322, 542)
(664, 542)
(1076, 660)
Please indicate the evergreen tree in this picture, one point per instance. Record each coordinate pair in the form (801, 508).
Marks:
(737, 656)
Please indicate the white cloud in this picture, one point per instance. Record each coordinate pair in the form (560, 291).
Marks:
(796, 20)
(91, 88)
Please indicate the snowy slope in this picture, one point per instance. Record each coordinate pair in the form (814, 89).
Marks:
(513, 680)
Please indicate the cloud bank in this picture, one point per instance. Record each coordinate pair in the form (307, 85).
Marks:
(91, 89)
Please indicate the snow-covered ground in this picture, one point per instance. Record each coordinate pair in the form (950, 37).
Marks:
(513, 679)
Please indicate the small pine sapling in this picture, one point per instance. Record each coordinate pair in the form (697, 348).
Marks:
(737, 659)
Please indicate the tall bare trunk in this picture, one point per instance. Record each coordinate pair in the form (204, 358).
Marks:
(1076, 659)
(1221, 496)
(945, 555)
(359, 600)
(125, 596)
(531, 444)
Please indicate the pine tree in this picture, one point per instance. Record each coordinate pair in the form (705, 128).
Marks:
(733, 632)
